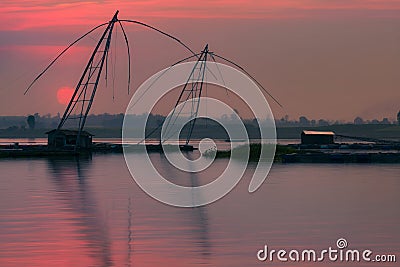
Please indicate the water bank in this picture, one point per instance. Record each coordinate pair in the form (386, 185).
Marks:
(39, 150)
(292, 153)
(337, 153)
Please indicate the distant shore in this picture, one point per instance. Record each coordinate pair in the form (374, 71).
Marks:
(351, 154)
(296, 153)
(379, 131)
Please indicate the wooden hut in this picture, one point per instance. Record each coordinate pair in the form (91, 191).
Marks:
(66, 139)
(317, 137)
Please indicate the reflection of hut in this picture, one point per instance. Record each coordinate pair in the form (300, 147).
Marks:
(317, 137)
(68, 139)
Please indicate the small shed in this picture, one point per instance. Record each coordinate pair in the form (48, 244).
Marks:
(317, 138)
(68, 139)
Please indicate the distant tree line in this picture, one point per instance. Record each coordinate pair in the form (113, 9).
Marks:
(304, 121)
(47, 121)
(37, 121)
(398, 118)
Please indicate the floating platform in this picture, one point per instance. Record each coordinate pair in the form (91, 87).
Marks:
(34, 151)
(339, 153)
(344, 153)
(341, 158)
(159, 147)
(27, 151)
(346, 146)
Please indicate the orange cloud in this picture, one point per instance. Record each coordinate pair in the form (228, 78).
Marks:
(48, 52)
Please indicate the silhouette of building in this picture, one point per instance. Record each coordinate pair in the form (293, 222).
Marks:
(67, 139)
(317, 137)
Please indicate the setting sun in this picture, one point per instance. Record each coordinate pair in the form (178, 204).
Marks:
(64, 95)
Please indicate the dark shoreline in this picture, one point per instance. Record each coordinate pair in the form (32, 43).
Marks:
(356, 153)
(378, 131)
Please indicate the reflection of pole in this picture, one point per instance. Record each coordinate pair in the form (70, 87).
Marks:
(89, 81)
(129, 231)
(80, 203)
(200, 217)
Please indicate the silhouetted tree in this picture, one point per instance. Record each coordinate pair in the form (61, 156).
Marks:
(358, 120)
(398, 118)
(385, 121)
(304, 121)
(31, 121)
(322, 122)
(286, 118)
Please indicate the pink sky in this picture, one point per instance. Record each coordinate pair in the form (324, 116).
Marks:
(334, 59)
(19, 15)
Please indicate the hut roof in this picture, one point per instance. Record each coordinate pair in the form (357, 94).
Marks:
(70, 132)
(318, 133)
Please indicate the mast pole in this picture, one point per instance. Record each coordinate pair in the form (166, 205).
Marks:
(88, 82)
(202, 73)
(105, 53)
(71, 102)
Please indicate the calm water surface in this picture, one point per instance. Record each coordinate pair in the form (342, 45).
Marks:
(89, 212)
